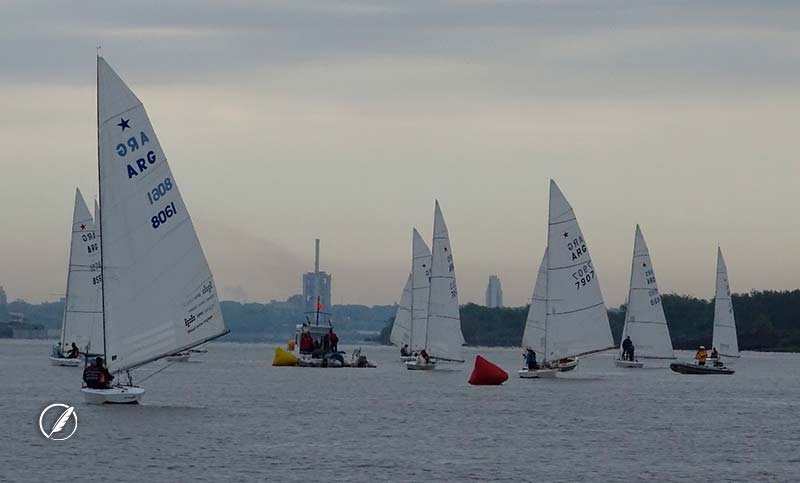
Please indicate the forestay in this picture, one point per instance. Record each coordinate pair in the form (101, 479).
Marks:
(160, 296)
(421, 285)
(725, 339)
(83, 323)
(577, 321)
(535, 325)
(645, 322)
(401, 327)
(444, 338)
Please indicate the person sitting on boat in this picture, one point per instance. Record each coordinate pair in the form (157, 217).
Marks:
(74, 352)
(631, 350)
(626, 345)
(334, 341)
(701, 356)
(404, 351)
(97, 376)
(56, 352)
(714, 353)
(423, 355)
(530, 359)
(306, 343)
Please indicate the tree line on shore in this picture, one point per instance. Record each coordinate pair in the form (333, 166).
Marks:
(765, 320)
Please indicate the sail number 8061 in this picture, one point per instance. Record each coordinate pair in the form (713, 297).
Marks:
(162, 216)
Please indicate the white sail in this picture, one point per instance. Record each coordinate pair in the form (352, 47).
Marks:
(535, 325)
(83, 322)
(444, 338)
(577, 321)
(645, 322)
(159, 294)
(401, 328)
(725, 339)
(421, 284)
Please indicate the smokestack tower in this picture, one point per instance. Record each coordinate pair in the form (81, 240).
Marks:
(316, 257)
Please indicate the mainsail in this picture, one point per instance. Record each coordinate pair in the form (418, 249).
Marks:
(536, 324)
(420, 290)
(159, 294)
(401, 327)
(645, 322)
(577, 321)
(83, 323)
(725, 339)
(443, 337)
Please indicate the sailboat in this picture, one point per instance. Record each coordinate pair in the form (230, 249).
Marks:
(567, 318)
(158, 294)
(645, 322)
(724, 339)
(443, 337)
(411, 321)
(82, 307)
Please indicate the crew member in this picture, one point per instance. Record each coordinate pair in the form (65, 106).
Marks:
(530, 359)
(97, 376)
(701, 356)
(74, 352)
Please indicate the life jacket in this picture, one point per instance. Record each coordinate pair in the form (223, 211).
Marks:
(94, 377)
(701, 356)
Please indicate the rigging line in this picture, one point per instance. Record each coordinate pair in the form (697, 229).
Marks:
(153, 374)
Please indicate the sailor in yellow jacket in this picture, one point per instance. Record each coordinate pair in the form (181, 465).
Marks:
(701, 356)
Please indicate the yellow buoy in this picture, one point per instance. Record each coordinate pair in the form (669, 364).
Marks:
(283, 358)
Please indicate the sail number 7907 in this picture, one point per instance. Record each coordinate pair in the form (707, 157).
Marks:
(583, 275)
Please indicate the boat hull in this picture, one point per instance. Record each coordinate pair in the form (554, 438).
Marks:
(63, 361)
(629, 364)
(537, 373)
(113, 395)
(568, 365)
(413, 366)
(688, 368)
(408, 358)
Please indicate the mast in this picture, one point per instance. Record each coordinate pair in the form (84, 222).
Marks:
(411, 328)
(66, 295)
(630, 294)
(100, 218)
(546, 298)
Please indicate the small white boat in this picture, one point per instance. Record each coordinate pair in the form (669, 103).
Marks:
(416, 366)
(411, 321)
(64, 361)
(629, 364)
(179, 357)
(113, 395)
(567, 317)
(158, 294)
(724, 339)
(82, 321)
(645, 322)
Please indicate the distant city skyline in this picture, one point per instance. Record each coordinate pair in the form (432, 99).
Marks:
(289, 121)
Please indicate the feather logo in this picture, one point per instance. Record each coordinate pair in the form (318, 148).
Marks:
(68, 414)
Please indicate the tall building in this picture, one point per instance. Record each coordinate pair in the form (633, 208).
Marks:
(316, 284)
(3, 298)
(494, 293)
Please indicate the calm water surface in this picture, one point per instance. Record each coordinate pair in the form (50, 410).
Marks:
(229, 416)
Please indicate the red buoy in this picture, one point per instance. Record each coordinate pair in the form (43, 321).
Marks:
(487, 374)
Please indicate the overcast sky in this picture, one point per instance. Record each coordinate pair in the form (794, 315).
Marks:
(289, 120)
